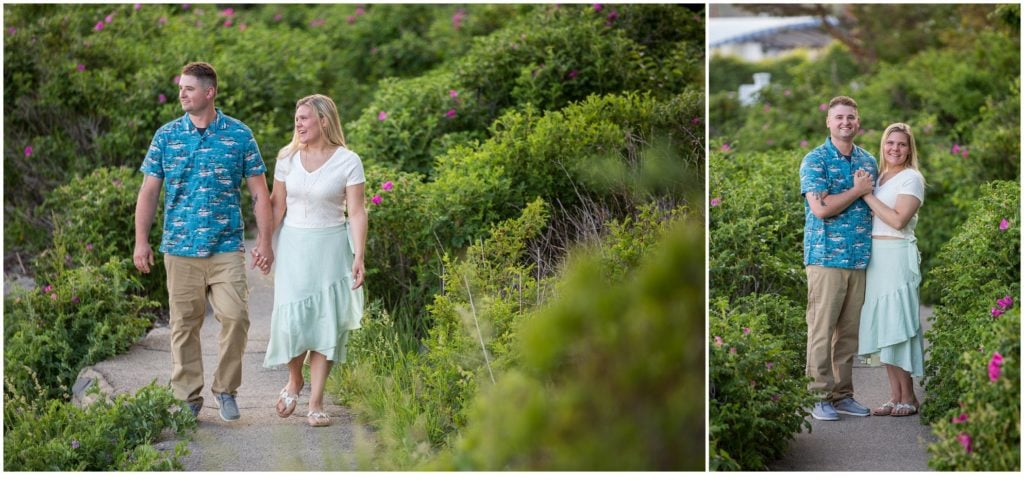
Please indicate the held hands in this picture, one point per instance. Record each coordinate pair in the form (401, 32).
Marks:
(863, 182)
(262, 258)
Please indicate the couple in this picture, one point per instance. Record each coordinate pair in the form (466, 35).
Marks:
(863, 266)
(200, 161)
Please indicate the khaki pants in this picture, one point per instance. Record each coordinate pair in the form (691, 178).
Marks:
(834, 299)
(191, 282)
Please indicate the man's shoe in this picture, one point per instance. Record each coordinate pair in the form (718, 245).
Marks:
(195, 406)
(851, 407)
(823, 411)
(228, 407)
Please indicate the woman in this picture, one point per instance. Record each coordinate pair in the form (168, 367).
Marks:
(889, 321)
(319, 268)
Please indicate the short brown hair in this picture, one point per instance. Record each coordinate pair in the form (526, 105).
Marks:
(842, 100)
(203, 71)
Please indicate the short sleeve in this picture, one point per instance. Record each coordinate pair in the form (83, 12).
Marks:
(913, 185)
(355, 171)
(253, 162)
(812, 175)
(152, 165)
(282, 168)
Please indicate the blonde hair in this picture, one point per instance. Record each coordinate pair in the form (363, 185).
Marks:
(325, 109)
(911, 161)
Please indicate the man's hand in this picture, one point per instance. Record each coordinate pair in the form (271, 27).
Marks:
(262, 258)
(863, 182)
(143, 257)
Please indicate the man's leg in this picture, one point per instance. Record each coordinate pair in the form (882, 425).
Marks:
(229, 293)
(825, 293)
(186, 284)
(846, 340)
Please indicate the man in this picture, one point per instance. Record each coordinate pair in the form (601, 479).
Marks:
(837, 247)
(200, 160)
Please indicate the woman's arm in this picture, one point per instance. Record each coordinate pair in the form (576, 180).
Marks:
(278, 200)
(358, 225)
(898, 216)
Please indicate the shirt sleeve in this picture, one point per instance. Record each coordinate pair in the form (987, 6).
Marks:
(282, 168)
(152, 165)
(913, 185)
(812, 175)
(355, 171)
(252, 160)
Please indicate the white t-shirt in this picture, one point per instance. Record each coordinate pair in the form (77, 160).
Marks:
(907, 181)
(317, 199)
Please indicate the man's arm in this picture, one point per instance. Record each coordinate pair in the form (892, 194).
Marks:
(263, 254)
(145, 212)
(824, 205)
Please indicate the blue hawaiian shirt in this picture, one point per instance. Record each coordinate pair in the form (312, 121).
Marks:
(844, 240)
(203, 176)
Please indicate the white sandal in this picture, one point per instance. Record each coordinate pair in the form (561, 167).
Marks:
(290, 402)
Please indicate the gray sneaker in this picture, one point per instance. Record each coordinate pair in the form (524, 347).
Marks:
(228, 407)
(851, 407)
(823, 411)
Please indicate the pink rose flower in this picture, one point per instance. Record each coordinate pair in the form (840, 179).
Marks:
(1003, 225)
(716, 201)
(381, 116)
(377, 199)
(965, 441)
(387, 186)
(28, 151)
(960, 419)
(450, 114)
(718, 340)
(995, 367)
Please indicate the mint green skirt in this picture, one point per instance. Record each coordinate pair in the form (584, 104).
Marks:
(890, 324)
(314, 304)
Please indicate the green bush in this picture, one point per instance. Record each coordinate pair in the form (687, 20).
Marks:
(548, 59)
(979, 265)
(86, 315)
(610, 372)
(983, 432)
(93, 220)
(51, 435)
(756, 243)
(641, 139)
(759, 396)
(421, 401)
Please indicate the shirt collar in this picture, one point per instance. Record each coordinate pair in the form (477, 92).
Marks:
(218, 122)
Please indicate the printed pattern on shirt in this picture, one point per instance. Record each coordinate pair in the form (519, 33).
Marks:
(844, 240)
(202, 175)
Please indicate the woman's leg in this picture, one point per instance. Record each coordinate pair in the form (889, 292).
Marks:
(295, 381)
(894, 382)
(907, 397)
(319, 369)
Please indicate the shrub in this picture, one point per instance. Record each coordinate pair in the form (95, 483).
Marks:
(93, 220)
(86, 315)
(979, 265)
(421, 403)
(529, 156)
(983, 432)
(548, 59)
(51, 435)
(756, 227)
(609, 375)
(759, 396)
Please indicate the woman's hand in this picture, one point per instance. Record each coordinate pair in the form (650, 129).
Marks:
(358, 273)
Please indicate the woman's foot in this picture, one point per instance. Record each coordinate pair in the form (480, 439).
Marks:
(287, 401)
(884, 410)
(902, 409)
(317, 419)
